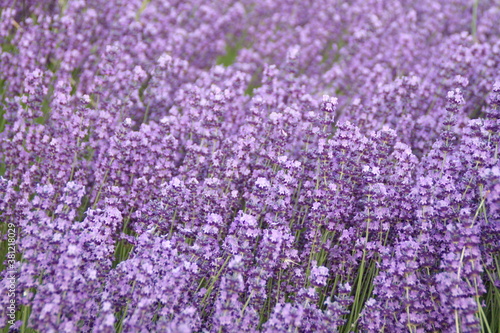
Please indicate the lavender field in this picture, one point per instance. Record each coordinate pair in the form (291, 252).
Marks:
(250, 166)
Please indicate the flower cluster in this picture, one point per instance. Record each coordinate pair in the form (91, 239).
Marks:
(250, 166)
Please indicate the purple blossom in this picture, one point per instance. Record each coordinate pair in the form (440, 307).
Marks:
(246, 166)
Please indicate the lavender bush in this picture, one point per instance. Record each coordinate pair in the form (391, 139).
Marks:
(267, 166)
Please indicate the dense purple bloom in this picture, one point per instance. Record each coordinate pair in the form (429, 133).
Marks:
(250, 166)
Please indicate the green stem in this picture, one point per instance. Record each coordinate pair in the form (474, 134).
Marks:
(474, 20)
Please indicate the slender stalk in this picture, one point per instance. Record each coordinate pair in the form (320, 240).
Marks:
(474, 20)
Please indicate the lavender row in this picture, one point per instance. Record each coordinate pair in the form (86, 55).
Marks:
(250, 166)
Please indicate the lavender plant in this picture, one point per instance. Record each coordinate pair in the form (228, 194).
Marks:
(249, 166)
